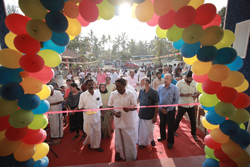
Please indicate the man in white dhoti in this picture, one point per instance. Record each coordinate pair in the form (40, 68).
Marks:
(125, 132)
(147, 116)
(91, 99)
(55, 120)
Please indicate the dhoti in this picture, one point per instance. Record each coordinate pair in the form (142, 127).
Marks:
(145, 132)
(93, 131)
(56, 125)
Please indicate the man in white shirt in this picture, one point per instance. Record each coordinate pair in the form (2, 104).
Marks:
(142, 72)
(81, 76)
(188, 91)
(159, 81)
(132, 80)
(113, 76)
(125, 132)
(91, 99)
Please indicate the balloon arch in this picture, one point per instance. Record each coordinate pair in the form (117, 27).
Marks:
(36, 40)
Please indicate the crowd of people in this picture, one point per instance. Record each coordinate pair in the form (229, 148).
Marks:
(120, 91)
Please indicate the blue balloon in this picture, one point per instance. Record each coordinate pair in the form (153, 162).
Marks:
(190, 50)
(28, 163)
(56, 21)
(178, 44)
(44, 162)
(230, 128)
(11, 91)
(209, 162)
(19, 69)
(42, 108)
(29, 102)
(60, 39)
(7, 161)
(55, 5)
(207, 53)
(50, 45)
(9, 75)
(225, 56)
(236, 64)
(208, 108)
(243, 146)
(243, 138)
(213, 118)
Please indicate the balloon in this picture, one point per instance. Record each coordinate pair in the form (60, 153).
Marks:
(144, 11)
(89, 11)
(75, 1)
(243, 101)
(230, 128)
(162, 7)
(42, 150)
(227, 39)
(82, 21)
(209, 162)
(231, 148)
(160, 32)
(28, 163)
(139, 1)
(8, 147)
(242, 126)
(39, 30)
(40, 121)
(243, 159)
(228, 163)
(21, 118)
(8, 39)
(60, 39)
(240, 116)
(42, 108)
(11, 91)
(44, 93)
(208, 108)
(177, 45)
(50, 57)
(243, 87)
(45, 75)
(199, 87)
(106, 10)
(24, 74)
(211, 143)
(190, 50)
(52, 46)
(211, 87)
(9, 75)
(178, 4)
(57, 22)
(215, 22)
(16, 23)
(192, 34)
(10, 58)
(227, 94)
(26, 44)
(225, 55)
(243, 138)
(174, 33)
(205, 14)
(35, 136)
(74, 28)
(218, 73)
(32, 85)
(209, 152)
(4, 123)
(154, 21)
(112, 2)
(200, 78)
(235, 79)
(15, 134)
(42, 162)
(213, 118)
(207, 125)
(218, 136)
(208, 100)
(33, 9)
(31, 62)
(219, 154)
(224, 109)
(29, 102)
(201, 68)
(7, 107)
(207, 53)
(211, 36)
(191, 60)
(55, 5)
(236, 64)
(24, 152)
(167, 21)
(196, 3)
(132, 13)
(185, 16)
(2, 135)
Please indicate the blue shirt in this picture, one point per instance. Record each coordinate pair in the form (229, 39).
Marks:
(168, 95)
(174, 82)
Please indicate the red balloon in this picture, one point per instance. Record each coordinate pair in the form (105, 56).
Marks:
(35, 136)
(211, 87)
(228, 163)
(26, 44)
(208, 131)
(219, 154)
(205, 14)
(185, 16)
(243, 101)
(96, 1)
(200, 78)
(167, 21)
(88, 10)
(154, 21)
(82, 21)
(215, 22)
(4, 123)
(211, 143)
(15, 134)
(31, 62)
(16, 23)
(44, 75)
(227, 95)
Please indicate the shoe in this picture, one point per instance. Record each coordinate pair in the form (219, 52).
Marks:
(176, 134)
(141, 146)
(170, 146)
(83, 137)
(195, 137)
(117, 157)
(160, 139)
(76, 136)
(99, 149)
(153, 143)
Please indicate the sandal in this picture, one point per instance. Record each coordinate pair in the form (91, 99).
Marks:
(76, 136)
(83, 136)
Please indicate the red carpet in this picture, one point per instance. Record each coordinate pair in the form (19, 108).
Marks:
(74, 153)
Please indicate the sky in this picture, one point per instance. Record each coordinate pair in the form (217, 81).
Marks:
(125, 23)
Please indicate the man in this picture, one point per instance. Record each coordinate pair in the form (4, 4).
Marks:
(55, 120)
(84, 86)
(142, 72)
(165, 70)
(101, 77)
(147, 116)
(168, 94)
(153, 73)
(174, 69)
(177, 72)
(113, 76)
(91, 99)
(149, 69)
(110, 87)
(188, 91)
(125, 141)
(159, 81)
(81, 76)
(132, 80)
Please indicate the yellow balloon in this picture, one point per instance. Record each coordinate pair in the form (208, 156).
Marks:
(243, 87)
(191, 60)
(211, 36)
(71, 37)
(24, 152)
(243, 159)
(10, 58)
(9, 40)
(2, 134)
(199, 87)
(162, 7)
(40, 121)
(44, 93)
(50, 57)
(207, 125)
(8, 147)
(227, 39)
(144, 11)
(241, 116)
(218, 136)
(133, 10)
(99, 18)
(231, 148)
(38, 30)
(32, 85)
(33, 9)
(192, 34)
(177, 4)
(201, 68)
(196, 3)
(116, 2)
(242, 126)
(74, 27)
(7, 107)
(218, 73)
(106, 10)
(42, 150)
(235, 79)
(205, 111)
(208, 100)
(160, 32)
(174, 33)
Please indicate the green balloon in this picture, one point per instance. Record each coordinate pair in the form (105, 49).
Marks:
(241, 116)
(174, 33)
(7, 107)
(106, 10)
(224, 109)
(199, 88)
(21, 118)
(161, 33)
(40, 122)
(210, 153)
(208, 100)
